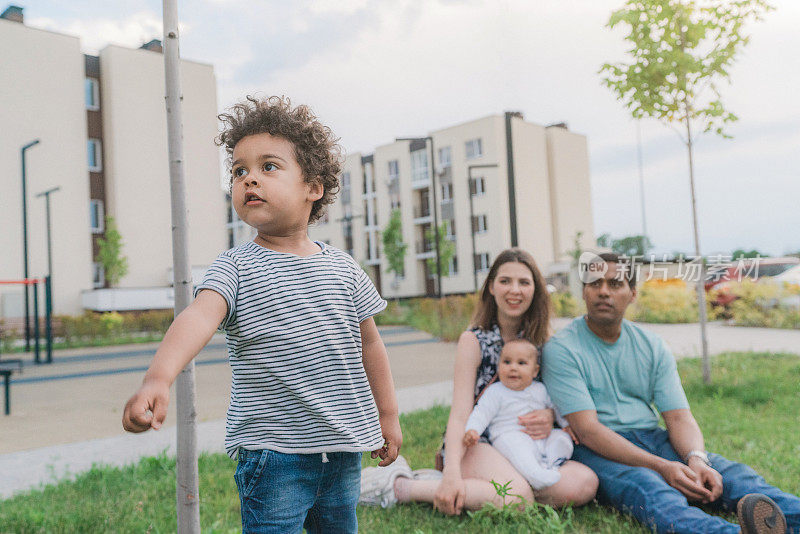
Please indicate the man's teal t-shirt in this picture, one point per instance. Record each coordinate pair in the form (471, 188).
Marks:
(622, 381)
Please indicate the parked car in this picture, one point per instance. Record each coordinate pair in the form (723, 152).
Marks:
(756, 269)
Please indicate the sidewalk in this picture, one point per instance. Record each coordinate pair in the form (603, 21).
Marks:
(67, 416)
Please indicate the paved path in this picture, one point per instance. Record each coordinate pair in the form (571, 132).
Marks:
(66, 416)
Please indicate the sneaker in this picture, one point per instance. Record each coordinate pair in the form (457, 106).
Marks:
(758, 514)
(427, 474)
(377, 483)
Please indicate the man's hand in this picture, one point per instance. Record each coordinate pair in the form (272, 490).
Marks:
(147, 408)
(538, 423)
(471, 437)
(392, 440)
(709, 478)
(685, 480)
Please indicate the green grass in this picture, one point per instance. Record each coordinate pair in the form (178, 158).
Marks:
(748, 414)
(97, 342)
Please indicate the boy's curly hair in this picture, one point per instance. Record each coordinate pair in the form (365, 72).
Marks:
(316, 148)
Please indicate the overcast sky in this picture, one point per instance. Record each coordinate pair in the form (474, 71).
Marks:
(377, 69)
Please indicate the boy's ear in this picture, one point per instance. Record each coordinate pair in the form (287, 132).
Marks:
(315, 190)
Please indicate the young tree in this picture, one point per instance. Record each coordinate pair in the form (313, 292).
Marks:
(447, 249)
(632, 245)
(394, 248)
(604, 240)
(680, 52)
(109, 255)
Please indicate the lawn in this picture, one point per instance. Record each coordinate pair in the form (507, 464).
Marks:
(748, 414)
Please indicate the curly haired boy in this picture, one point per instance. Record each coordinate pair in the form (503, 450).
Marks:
(311, 387)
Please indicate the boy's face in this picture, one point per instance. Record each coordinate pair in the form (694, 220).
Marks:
(268, 190)
(517, 367)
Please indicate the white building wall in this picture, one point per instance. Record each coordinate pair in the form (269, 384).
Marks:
(137, 166)
(570, 190)
(42, 93)
(532, 191)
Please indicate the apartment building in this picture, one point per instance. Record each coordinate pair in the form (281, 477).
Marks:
(500, 181)
(101, 126)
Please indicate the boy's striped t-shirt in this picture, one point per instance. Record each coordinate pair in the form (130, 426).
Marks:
(294, 345)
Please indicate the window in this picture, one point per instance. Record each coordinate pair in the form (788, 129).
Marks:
(394, 201)
(394, 170)
(94, 153)
(91, 91)
(482, 262)
(419, 166)
(447, 192)
(445, 157)
(452, 266)
(479, 225)
(98, 276)
(96, 216)
(346, 180)
(473, 148)
(478, 186)
(449, 229)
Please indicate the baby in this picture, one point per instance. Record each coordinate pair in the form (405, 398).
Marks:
(502, 402)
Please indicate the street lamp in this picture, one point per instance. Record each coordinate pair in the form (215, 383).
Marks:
(25, 242)
(46, 195)
(472, 216)
(435, 213)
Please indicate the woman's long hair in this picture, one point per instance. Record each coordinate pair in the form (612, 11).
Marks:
(536, 319)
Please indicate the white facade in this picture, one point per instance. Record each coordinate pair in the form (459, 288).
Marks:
(550, 186)
(43, 82)
(137, 165)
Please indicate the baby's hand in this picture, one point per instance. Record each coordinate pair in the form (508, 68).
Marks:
(471, 437)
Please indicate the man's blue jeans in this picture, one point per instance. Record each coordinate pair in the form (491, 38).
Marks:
(644, 494)
(283, 493)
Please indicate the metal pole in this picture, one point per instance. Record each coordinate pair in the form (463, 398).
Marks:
(641, 173)
(436, 226)
(472, 215)
(46, 195)
(187, 487)
(25, 243)
(37, 357)
(48, 317)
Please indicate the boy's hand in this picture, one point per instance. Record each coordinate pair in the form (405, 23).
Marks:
(471, 437)
(147, 408)
(393, 439)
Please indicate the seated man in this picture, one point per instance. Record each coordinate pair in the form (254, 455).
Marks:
(604, 374)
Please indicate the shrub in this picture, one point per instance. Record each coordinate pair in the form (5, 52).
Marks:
(659, 301)
(760, 304)
(565, 305)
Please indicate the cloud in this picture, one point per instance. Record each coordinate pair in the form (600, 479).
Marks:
(96, 33)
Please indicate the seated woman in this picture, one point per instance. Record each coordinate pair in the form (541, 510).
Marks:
(514, 303)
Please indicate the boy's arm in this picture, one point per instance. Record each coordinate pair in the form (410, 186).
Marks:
(185, 338)
(376, 365)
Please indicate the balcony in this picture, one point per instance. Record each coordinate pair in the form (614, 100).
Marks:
(425, 249)
(420, 182)
(422, 214)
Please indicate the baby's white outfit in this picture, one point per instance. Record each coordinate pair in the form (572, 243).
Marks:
(536, 460)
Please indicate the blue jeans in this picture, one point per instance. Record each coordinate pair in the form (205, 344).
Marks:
(643, 493)
(283, 493)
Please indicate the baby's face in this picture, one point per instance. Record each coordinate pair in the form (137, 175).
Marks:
(518, 366)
